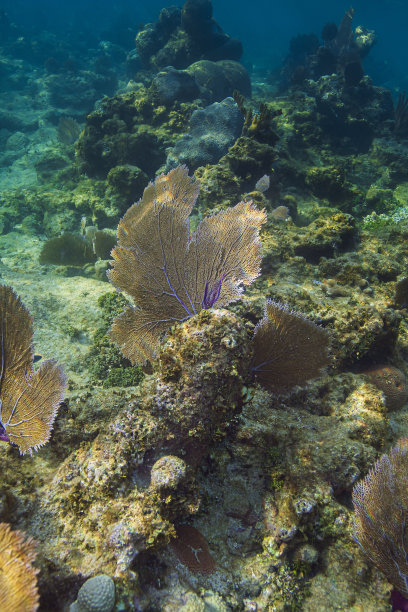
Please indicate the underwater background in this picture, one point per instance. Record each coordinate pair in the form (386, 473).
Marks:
(203, 306)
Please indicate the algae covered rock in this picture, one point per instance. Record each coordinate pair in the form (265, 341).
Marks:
(220, 79)
(171, 85)
(165, 428)
(324, 237)
(128, 181)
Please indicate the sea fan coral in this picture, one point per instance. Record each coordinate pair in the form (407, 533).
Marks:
(171, 275)
(28, 400)
(18, 582)
(381, 514)
(288, 349)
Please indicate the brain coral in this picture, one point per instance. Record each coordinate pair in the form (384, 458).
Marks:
(213, 130)
(97, 594)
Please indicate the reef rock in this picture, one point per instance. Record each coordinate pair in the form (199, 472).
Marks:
(213, 130)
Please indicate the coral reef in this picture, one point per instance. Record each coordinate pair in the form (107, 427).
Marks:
(181, 37)
(179, 409)
(341, 53)
(124, 128)
(200, 481)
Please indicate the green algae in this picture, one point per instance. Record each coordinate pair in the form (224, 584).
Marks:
(107, 366)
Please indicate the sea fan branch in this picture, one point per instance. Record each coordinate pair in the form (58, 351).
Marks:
(188, 273)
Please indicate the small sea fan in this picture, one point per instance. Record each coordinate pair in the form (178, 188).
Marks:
(289, 349)
(381, 515)
(28, 400)
(191, 548)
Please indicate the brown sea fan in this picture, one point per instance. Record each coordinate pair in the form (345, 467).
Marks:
(289, 349)
(191, 548)
(18, 582)
(28, 400)
(171, 275)
(381, 514)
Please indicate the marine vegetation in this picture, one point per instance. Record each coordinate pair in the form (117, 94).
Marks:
(28, 400)
(381, 513)
(172, 275)
(74, 250)
(289, 349)
(107, 365)
(18, 577)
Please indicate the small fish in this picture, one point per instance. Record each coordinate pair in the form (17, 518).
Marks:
(37, 357)
(281, 213)
(263, 184)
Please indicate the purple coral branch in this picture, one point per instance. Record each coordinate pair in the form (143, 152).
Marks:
(3, 436)
(211, 295)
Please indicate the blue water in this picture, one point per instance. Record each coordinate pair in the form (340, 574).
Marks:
(264, 27)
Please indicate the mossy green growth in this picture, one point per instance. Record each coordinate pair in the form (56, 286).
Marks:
(112, 304)
(124, 377)
(107, 365)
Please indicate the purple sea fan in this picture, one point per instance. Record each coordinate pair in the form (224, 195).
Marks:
(381, 515)
(28, 400)
(171, 275)
(289, 349)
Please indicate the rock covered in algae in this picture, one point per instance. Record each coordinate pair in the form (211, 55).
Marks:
(120, 493)
(168, 472)
(274, 509)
